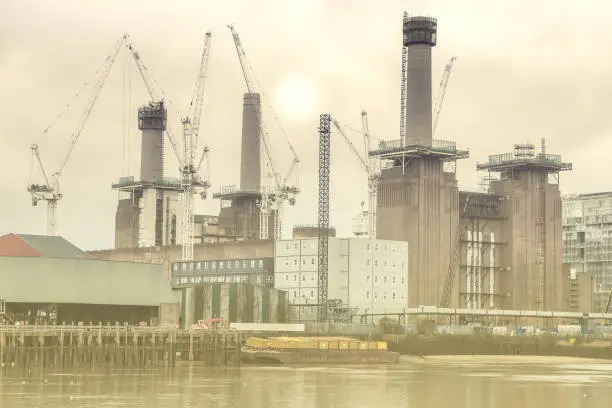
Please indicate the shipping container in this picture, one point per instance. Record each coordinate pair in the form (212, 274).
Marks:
(240, 303)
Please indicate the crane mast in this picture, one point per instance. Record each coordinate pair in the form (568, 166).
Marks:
(275, 189)
(191, 182)
(50, 191)
(437, 104)
(370, 168)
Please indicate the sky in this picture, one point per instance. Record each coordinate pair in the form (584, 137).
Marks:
(524, 70)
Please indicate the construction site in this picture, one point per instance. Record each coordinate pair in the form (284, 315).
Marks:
(498, 248)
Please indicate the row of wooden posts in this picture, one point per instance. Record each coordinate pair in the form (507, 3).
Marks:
(57, 347)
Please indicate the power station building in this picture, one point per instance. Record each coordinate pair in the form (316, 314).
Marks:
(501, 249)
(149, 210)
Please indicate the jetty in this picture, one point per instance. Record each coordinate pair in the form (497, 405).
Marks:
(33, 347)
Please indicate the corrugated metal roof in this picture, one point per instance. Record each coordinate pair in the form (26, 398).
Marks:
(82, 281)
(53, 246)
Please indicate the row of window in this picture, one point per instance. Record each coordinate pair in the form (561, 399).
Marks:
(221, 279)
(385, 263)
(312, 244)
(238, 263)
(384, 296)
(384, 279)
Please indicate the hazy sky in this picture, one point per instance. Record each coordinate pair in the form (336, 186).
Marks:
(525, 70)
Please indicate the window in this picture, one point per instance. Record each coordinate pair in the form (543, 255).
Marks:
(213, 265)
(205, 265)
(244, 279)
(375, 295)
(303, 277)
(367, 295)
(312, 293)
(403, 265)
(286, 262)
(295, 261)
(385, 296)
(385, 279)
(258, 279)
(199, 279)
(221, 264)
(312, 277)
(191, 266)
(303, 261)
(385, 264)
(393, 280)
(394, 264)
(244, 264)
(393, 295)
(402, 279)
(312, 261)
(252, 263)
(269, 279)
(367, 278)
(286, 276)
(260, 263)
(174, 267)
(367, 261)
(376, 247)
(375, 263)
(294, 277)
(184, 266)
(294, 290)
(376, 279)
(368, 246)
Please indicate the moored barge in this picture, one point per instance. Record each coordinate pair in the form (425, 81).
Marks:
(316, 350)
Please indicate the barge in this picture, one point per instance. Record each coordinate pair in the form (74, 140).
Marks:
(316, 350)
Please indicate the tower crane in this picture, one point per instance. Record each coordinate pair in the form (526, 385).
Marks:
(437, 103)
(275, 188)
(191, 181)
(50, 191)
(371, 168)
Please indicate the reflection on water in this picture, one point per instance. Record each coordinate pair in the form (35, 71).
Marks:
(422, 384)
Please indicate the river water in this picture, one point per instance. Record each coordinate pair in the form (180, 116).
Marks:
(474, 382)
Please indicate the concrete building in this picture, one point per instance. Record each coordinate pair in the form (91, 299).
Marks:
(468, 250)
(45, 279)
(149, 210)
(532, 235)
(367, 276)
(240, 211)
(256, 271)
(418, 198)
(166, 255)
(587, 244)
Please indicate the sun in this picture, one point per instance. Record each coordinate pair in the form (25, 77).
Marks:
(296, 97)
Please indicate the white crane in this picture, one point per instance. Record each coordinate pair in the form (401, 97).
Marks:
(50, 191)
(191, 181)
(371, 166)
(275, 188)
(437, 103)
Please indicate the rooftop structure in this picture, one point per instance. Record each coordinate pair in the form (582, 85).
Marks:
(39, 246)
(525, 157)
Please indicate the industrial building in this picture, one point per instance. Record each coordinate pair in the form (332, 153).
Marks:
(587, 248)
(256, 271)
(46, 279)
(495, 250)
(365, 275)
(149, 209)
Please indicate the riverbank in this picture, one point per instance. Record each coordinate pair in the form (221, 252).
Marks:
(457, 345)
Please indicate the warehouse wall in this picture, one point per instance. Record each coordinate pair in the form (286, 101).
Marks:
(238, 303)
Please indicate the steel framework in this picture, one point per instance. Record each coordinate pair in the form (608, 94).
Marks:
(323, 241)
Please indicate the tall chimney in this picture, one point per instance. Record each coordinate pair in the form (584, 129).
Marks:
(152, 122)
(250, 160)
(419, 37)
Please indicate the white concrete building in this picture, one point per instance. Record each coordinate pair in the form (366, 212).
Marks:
(370, 275)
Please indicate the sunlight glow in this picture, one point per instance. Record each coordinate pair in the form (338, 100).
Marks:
(296, 97)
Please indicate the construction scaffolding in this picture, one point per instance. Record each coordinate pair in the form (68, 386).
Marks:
(482, 249)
